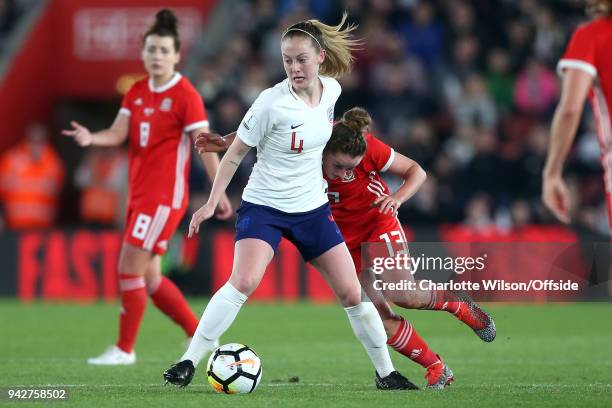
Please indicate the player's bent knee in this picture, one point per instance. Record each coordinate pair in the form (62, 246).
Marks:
(349, 298)
(245, 285)
(133, 261)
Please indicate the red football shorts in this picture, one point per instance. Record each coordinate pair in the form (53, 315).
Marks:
(150, 227)
(389, 239)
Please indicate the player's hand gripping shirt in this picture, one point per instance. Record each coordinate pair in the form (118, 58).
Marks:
(290, 137)
(159, 143)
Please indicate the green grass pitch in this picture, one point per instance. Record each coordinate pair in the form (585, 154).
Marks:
(544, 355)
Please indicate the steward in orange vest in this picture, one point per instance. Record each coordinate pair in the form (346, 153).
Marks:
(31, 179)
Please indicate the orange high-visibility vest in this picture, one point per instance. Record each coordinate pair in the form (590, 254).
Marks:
(29, 190)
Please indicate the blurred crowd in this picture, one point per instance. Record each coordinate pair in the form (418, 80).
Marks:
(464, 87)
(10, 12)
(33, 177)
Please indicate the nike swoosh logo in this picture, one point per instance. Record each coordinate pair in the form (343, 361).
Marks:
(245, 361)
(295, 127)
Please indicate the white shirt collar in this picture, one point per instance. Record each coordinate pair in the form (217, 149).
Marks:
(292, 92)
(173, 81)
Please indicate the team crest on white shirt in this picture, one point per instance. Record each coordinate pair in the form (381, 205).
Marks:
(330, 114)
(166, 105)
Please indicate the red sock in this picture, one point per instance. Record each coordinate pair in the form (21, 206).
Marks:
(133, 304)
(444, 300)
(169, 299)
(407, 341)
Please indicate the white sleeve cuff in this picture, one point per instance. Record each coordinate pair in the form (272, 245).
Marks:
(196, 125)
(389, 162)
(125, 111)
(577, 64)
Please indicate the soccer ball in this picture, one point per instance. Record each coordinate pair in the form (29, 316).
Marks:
(234, 369)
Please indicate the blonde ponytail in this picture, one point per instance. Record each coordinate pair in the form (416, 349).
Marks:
(337, 42)
(339, 45)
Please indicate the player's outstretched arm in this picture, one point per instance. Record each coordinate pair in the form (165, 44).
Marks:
(413, 175)
(113, 136)
(227, 168)
(210, 161)
(555, 194)
(213, 142)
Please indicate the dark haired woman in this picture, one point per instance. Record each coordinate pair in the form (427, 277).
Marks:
(158, 114)
(366, 212)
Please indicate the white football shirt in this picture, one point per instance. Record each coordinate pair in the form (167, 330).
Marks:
(290, 137)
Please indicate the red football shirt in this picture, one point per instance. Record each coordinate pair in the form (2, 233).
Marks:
(159, 143)
(351, 197)
(590, 50)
